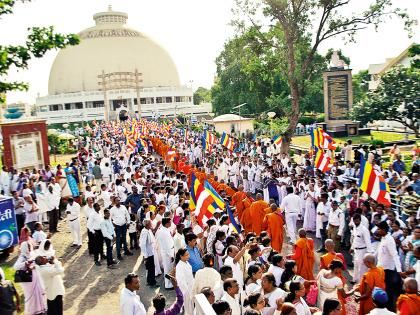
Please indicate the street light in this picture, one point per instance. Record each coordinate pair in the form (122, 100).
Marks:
(238, 107)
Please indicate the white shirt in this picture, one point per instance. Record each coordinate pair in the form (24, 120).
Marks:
(74, 210)
(146, 242)
(291, 204)
(107, 229)
(130, 303)
(31, 217)
(52, 277)
(361, 238)
(119, 215)
(336, 218)
(39, 236)
(277, 272)
(272, 298)
(206, 277)
(381, 311)
(106, 197)
(387, 254)
(94, 221)
(233, 303)
(165, 241)
(236, 271)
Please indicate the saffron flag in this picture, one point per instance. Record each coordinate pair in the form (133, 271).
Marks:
(322, 161)
(277, 140)
(227, 142)
(373, 184)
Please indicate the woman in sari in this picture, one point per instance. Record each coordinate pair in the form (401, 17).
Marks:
(71, 180)
(34, 292)
(62, 180)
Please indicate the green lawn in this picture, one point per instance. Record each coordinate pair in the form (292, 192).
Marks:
(305, 141)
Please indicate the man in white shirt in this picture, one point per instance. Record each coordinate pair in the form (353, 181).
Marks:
(73, 214)
(322, 214)
(146, 245)
(231, 288)
(121, 218)
(94, 227)
(108, 234)
(51, 272)
(88, 209)
(130, 303)
(106, 174)
(389, 259)
(360, 246)
(380, 300)
(291, 204)
(232, 260)
(53, 202)
(166, 246)
(105, 196)
(336, 223)
(207, 276)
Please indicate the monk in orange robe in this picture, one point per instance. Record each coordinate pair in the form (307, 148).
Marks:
(274, 223)
(246, 220)
(409, 303)
(304, 256)
(237, 200)
(221, 186)
(258, 214)
(374, 277)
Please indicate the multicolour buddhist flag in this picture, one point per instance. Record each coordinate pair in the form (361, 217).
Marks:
(322, 140)
(227, 142)
(373, 184)
(234, 226)
(322, 161)
(278, 140)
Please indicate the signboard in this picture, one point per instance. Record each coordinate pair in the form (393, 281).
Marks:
(338, 97)
(26, 153)
(8, 226)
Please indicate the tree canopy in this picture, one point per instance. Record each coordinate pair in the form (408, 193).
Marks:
(296, 29)
(38, 42)
(250, 72)
(201, 95)
(397, 97)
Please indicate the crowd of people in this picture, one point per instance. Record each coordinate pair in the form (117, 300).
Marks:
(264, 263)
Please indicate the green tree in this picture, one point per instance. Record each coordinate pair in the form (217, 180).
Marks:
(39, 41)
(304, 25)
(397, 98)
(250, 72)
(360, 86)
(202, 95)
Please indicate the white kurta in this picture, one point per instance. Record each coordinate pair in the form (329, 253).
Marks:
(166, 247)
(185, 279)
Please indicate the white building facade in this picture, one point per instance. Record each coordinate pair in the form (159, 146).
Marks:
(75, 92)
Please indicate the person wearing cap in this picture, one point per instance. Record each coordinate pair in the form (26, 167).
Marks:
(380, 300)
(409, 303)
(389, 259)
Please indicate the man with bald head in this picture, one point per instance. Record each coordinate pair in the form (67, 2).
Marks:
(409, 303)
(273, 224)
(374, 277)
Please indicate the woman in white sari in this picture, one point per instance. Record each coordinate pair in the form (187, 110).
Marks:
(62, 181)
(185, 279)
(34, 291)
(41, 200)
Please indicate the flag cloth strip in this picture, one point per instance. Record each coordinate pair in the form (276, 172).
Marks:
(233, 224)
(277, 140)
(373, 184)
(227, 142)
(322, 162)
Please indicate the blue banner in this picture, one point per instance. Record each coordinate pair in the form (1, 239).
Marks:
(8, 226)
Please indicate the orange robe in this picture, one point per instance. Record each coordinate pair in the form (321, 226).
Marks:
(408, 304)
(246, 219)
(374, 277)
(257, 215)
(238, 202)
(325, 261)
(304, 257)
(274, 222)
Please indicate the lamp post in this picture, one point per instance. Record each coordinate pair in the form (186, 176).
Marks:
(238, 107)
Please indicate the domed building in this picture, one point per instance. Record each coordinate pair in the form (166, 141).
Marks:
(118, 66)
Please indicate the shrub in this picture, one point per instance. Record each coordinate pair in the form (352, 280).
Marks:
(377, 142)
(305, 120)
(320, 118)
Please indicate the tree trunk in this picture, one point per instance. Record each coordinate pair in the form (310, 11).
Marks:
(293, 119)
